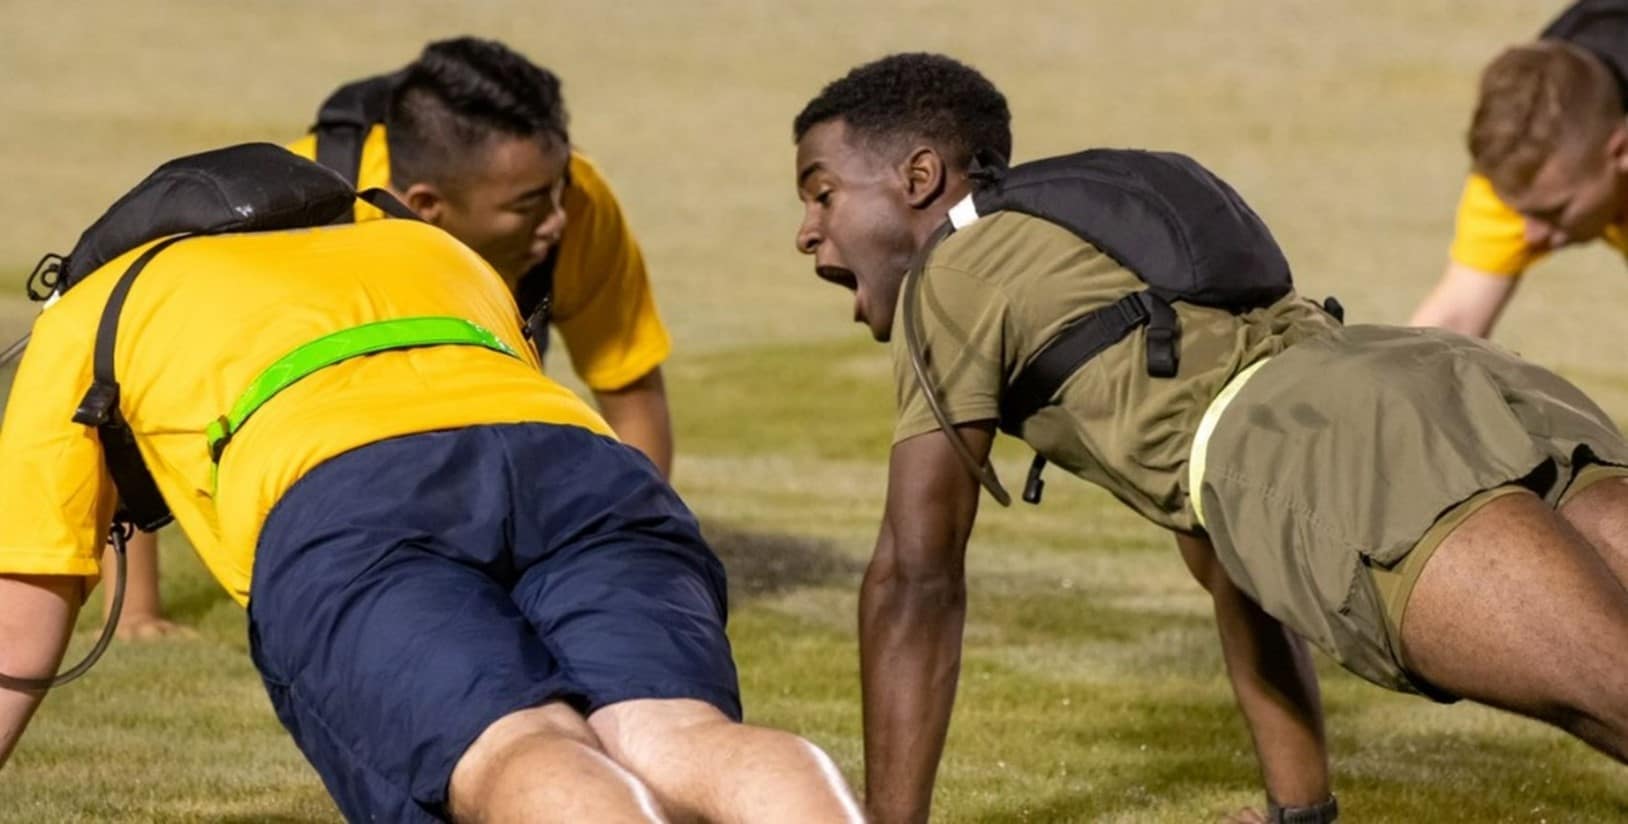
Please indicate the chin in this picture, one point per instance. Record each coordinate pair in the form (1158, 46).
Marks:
(882, 332)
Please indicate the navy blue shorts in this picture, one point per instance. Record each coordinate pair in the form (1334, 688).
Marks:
(411, 592)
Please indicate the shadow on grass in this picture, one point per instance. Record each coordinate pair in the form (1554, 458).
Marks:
(764, 563)
(275, 818)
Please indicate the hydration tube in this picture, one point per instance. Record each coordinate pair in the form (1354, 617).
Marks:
(984, 472)
(14, 350)
(121, 533)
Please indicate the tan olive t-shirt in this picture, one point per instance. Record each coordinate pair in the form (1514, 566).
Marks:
(997, 290)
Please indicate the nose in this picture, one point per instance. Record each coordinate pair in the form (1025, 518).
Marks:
(552, 226)
(808, 236)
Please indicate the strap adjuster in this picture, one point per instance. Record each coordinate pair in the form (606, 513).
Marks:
(1163, 330)
(1133, 310)
(219, 432)
(98, 405)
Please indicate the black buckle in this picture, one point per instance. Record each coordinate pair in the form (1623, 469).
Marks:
(1334, 308)
(1133, 309)
(98, 405)
(988, 167)
(1033, 487)
(46, 279)
(1162, 335)
(1163, 327)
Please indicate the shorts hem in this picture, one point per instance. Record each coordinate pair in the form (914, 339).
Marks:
(724, 700)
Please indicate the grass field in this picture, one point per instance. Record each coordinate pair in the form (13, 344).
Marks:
(1092, 689)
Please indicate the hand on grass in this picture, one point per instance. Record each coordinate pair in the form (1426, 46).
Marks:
(1247, 815)
(151, 628)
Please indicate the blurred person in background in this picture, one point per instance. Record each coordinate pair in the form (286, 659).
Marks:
(1549, 153)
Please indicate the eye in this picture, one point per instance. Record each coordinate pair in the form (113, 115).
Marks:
(823, 198)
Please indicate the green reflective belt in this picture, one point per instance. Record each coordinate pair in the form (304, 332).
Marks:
(328, 350)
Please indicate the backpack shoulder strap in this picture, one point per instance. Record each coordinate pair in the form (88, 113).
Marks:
(384, 202)
(535, 295)
(1083, 339)
(344, 120)
(140, 502)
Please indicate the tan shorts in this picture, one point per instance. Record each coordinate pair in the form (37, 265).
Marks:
(1395, 584)
(1343, 462)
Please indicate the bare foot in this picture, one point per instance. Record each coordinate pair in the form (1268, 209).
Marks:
(150, 628)
(1247, 815)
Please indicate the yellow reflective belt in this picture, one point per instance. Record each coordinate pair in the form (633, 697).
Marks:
(1206, 428)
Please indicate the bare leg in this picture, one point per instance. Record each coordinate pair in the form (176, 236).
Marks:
(1518, 611)
(142, 618)
(544, 764)
(1600, 513)
(703, 766)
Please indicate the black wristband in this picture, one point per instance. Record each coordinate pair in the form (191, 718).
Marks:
(1326, 812)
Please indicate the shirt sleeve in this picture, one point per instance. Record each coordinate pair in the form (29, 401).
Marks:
(56, 498)
(1488, 235)
(604, 308)
(963, 333)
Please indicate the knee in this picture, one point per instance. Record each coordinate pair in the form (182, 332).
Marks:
(647, 733)
(509, 747)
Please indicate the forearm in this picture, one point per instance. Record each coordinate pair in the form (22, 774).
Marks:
(639, 416)
(1276, 687)
(910, 651)
(1466, 300)
(1440, 313)
(36, 617)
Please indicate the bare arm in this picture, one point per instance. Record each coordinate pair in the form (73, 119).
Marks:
(637, 413)
(1466, 300)
(1273, 679)
(912, 609)
(36, 617)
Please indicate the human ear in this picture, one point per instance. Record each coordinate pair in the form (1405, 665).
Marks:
(924, 176)
(1616, 147)
(426, 201)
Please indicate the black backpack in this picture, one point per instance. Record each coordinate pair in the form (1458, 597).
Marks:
(342, 125)
(246, 188)
(1180, 229)
(1601, 27)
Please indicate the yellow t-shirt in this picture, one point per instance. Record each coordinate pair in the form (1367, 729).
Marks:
(603, 305)
(202, 320)
(1490, 236)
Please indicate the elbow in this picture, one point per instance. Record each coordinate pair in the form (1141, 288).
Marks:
(915, 586)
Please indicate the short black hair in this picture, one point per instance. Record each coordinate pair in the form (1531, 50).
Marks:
(916, 95)
(457, 95)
